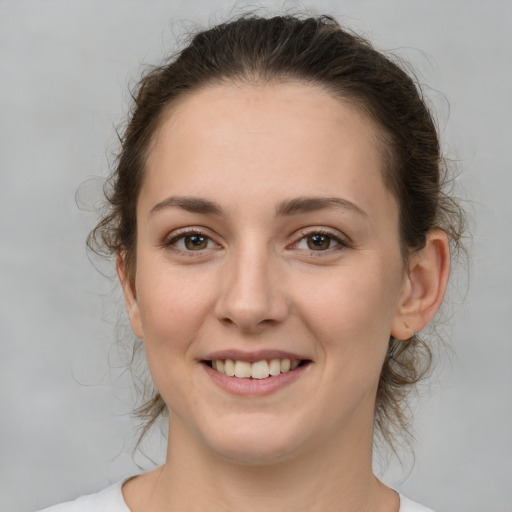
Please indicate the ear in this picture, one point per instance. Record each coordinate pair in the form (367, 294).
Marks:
(424, 286)
(130, 296)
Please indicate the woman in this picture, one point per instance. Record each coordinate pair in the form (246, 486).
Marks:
(281, 237)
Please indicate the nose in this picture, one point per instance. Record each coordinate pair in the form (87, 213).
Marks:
(251, 295)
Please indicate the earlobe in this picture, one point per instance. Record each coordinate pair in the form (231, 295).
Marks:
(130, 296)
(425, 286)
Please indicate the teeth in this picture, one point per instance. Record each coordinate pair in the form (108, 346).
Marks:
(258, 370)
(243, 369)
(229, 368)
(275, 367)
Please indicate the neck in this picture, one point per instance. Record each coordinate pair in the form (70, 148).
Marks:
(336, 476)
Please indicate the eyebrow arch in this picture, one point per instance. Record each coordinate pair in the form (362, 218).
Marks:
(188, 203)
(292, 207)
(312, 204)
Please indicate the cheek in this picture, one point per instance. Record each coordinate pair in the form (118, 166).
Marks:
(172, 308)
(351, 313)
(352, 299)
(172, 311)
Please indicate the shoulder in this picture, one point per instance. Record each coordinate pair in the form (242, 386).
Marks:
(407, 505)
(107, 500)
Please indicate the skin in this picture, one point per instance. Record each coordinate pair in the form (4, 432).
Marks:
(256, 284)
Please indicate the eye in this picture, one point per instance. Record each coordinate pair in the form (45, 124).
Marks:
(318, 241)
(195, 242)
(192, 241)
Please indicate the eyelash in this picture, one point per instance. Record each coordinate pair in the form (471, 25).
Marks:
(171, 242)
(340, 243)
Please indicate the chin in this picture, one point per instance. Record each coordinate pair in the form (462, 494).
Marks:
(254, 455)
(256, 444)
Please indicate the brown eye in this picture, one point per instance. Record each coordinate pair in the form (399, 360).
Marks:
(319, 242)
(191, 241)
(195, 242)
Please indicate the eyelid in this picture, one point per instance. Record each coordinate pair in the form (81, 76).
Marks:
(342, 241)
(169, 241)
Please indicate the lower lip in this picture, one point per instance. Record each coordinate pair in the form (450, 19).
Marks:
(255, 387)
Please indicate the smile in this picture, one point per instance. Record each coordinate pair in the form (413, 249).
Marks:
(258, 370)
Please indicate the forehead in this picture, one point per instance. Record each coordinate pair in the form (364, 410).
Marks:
(268, 106)
(287, 138)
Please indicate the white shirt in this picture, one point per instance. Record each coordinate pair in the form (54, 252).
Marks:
(111, 500)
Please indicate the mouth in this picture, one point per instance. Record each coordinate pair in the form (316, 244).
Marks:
(263, 369)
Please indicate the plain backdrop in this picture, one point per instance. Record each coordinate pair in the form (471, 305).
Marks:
(65, 70)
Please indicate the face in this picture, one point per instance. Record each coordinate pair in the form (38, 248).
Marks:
(267, 247)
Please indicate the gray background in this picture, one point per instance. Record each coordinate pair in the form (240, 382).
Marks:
(64, 70)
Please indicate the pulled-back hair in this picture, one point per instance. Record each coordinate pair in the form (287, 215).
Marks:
(312, 50)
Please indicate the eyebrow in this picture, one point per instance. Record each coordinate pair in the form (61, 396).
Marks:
(190, 204)
(312, 204)
(295, 206)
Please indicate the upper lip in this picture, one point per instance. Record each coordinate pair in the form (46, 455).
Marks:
(253, 356)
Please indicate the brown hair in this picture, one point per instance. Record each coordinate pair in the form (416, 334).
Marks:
(314, 50)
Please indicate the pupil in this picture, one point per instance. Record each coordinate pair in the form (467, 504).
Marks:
(195, 242)
(318, 242)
